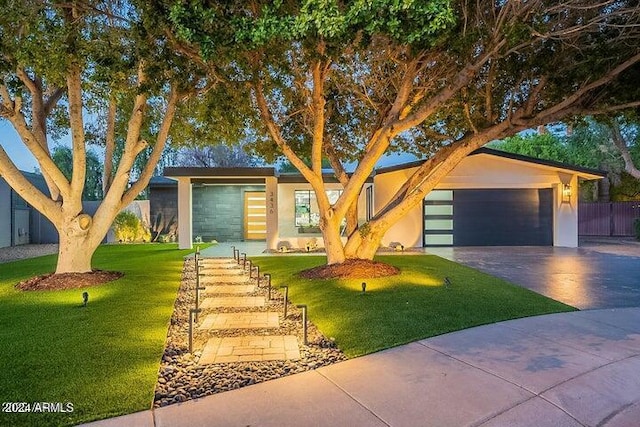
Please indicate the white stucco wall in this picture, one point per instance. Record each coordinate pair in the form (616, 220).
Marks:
(286, 213)
(565, 230)
(484, 171)
(185, 227)
(5, 214)
(271, 194)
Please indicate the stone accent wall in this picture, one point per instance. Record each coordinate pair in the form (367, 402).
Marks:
(218, 211)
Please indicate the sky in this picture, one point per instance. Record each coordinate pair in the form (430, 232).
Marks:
(25, 161)
(10, 141)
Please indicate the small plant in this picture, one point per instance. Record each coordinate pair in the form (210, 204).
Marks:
(166, 238)
(637, 227)
(198, 239)
(364, 229)
(127, 227)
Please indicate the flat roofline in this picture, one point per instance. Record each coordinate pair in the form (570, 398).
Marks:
(175, 172)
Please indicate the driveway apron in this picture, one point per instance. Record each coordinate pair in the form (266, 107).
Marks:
(584, 278)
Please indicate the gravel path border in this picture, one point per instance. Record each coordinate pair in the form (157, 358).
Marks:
(181, 379)
(15, 253)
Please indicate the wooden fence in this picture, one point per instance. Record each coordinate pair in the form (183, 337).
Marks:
(607, 219)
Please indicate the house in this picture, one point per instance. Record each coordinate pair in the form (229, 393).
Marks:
(491, 198)
(20, 223)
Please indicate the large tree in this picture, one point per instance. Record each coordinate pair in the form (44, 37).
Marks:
(63, 66)
(352, 80)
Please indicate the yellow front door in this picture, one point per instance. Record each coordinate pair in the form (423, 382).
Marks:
(255, 215)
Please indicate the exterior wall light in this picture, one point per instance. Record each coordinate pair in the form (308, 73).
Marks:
(566, 193)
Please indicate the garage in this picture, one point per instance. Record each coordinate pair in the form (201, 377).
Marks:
(491, 198)
(489, 217)
(504, 217)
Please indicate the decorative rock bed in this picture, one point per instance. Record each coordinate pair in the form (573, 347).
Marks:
(181, 378)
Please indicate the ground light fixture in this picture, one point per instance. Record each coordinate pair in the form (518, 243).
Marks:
(566, 193)
(267, 276)
(303, 307)
(286, 299)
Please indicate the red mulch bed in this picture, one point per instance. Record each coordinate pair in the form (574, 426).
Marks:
(57, 282)
(351, 269)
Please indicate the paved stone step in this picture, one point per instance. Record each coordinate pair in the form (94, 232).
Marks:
(219, 260)
(223, 271)
(237, 302)
(250, 349)
(256, 320)
(233, 279)
(229, 289)
(221, 264)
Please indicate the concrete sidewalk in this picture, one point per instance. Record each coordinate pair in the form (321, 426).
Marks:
(570, 369)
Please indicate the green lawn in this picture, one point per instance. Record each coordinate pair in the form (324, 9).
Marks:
(103, 358)
(400, 309)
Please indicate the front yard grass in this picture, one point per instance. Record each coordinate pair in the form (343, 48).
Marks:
(104, 358)
(399, 309)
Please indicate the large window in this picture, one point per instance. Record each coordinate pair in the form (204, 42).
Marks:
(307, 214)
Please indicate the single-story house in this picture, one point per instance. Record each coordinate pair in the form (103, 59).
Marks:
(492, 198)
(20, 223)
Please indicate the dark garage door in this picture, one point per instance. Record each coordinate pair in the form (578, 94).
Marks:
(501, 217)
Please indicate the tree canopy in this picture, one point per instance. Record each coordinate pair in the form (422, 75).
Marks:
(67, 67)
(352, 80)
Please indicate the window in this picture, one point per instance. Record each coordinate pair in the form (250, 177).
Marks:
(307, 214)
(369, 200)
(438, 218)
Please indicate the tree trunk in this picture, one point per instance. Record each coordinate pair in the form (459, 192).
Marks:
(76, 249)
(364, 243)
(368, 246)
(352, 218)
(330, 228)
(73, 255)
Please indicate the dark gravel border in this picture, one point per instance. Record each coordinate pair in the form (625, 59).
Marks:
(181, 379)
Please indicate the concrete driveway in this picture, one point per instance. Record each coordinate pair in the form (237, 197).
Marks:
(602, 273)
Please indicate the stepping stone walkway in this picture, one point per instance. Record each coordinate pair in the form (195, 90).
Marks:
(250, 349)
(224, 277)
(232, 279)
(230, 302)
(229, 289)
(222, 271)
(241, 321)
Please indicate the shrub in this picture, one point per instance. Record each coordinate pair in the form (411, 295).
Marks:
(637, 226)
(127, 227)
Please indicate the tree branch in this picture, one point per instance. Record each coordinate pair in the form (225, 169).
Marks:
(52, 100)
(621, 145)
(26, 190)
(110, 144)
(318, 104)
(274, 131)
(462, 78)
(573, 98)
(59, 183)
(158, 148)
(74, 87)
